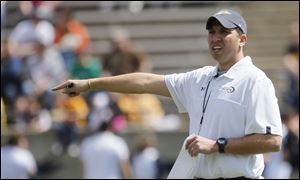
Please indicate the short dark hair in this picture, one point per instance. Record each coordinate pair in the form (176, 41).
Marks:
(13, 140)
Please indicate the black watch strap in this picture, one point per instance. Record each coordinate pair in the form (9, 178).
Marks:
(221, 144)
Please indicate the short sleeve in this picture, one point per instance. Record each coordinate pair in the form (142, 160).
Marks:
(175, 85)
(29, 162)
(122, 149)
(180, 86)
(263, 114)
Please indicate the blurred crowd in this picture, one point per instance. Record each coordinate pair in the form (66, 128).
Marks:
(285, 163)
(48, 45)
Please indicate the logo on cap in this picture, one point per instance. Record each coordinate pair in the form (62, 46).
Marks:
(223, 12)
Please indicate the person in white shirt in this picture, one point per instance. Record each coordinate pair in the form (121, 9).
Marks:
(232, 106)
(105, 155)
(17, 162)
(146, 160)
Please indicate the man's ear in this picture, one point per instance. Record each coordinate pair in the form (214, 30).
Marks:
(243, 40)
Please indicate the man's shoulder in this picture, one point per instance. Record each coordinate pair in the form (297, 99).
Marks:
(205, 69)
(90, 139)
(198, 73)
(255, 74)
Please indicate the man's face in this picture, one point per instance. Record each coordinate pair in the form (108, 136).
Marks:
(224, 44)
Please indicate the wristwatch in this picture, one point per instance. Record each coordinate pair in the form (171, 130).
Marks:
(221, 142)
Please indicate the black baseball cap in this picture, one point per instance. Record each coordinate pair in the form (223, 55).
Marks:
(229, 19)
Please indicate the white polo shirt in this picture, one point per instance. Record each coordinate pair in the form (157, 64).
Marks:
(240, 102)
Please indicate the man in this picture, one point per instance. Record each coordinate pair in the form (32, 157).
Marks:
(232, 107)
(105, 155)
(17, 161)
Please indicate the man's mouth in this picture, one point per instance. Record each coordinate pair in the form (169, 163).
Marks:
(216, 49)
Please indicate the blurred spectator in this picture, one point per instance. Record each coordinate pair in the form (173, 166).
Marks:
(142, 110)
(42, 120)
(28, 114)
(22, 40)
(146, 161)
(105, 155)
(46, 8)
(46, 68)
(291, 62)
(87, 66)
(103, 108)
(3, 115)
(17, 162)
(71, 36)
(124, 56)
(77, 110)
(276, 166)
(12, 75)
(22, 114)
(70, 116)
(67, 28)
(291, 100)
(291, 143)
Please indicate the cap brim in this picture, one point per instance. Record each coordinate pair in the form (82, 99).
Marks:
(224, 22)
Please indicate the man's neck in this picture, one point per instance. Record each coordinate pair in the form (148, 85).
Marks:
(226, 66)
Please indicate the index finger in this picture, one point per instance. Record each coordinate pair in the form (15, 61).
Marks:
(61, 86)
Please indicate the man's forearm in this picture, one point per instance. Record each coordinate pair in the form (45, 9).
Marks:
(136, 83)
(253, 144)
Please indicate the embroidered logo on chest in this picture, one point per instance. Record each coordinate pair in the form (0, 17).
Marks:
(229, 89)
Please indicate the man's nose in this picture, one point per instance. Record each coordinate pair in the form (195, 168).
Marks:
(216, 37)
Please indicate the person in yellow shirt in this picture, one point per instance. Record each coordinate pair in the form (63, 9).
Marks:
(141, 110)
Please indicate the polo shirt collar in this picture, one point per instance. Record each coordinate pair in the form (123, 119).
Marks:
(232, 72)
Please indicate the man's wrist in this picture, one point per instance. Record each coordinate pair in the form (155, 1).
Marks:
(215, 147)
(89, 84)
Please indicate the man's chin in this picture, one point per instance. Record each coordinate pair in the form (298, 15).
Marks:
(217, 57)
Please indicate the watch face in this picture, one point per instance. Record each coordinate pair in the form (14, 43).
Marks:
(221, 141)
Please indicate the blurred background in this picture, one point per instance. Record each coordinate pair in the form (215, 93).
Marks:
(44, 43)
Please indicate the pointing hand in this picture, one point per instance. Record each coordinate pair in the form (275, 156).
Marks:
(73, 87)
